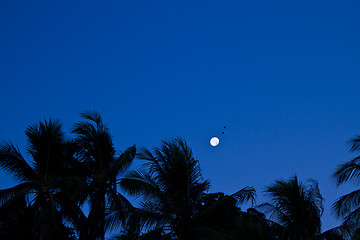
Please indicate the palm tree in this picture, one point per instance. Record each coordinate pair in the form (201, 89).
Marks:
(297, 207)
(101, 167)
(173, 190)
(348, 206)
(42, 180)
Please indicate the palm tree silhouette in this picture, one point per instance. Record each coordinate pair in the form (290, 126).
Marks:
(297, 207)
(43, 180)
(101, 167)
(348, 206)
(172, 187)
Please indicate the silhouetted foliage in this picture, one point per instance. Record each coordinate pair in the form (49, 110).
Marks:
(18, 217)
(252, 225)
(173, 190)
(348, 206)
(298, 208)
(44, 180)
(101, 166)
(64, 175)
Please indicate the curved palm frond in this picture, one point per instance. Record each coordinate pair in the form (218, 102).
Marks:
(349, 171)
(337, 233)
(13, 163)
(354, 144)
(347, 203)
(274, 213)
(141, 183)
(123, 162)
(119, 210)
(352, 220)
(72, 213)
(95, 117)
(296, 206)
(9, 194)
(244, 195)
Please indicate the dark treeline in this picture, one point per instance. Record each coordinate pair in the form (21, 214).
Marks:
(62, 177)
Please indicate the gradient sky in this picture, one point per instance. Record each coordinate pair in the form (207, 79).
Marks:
(283, 76)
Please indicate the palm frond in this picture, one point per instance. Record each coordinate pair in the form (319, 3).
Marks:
(47, 146)
(123, 161)
(72, 212)
(347, 203)
(116, 200)
(312, 194)
(274, 213)
(93, 116)
(349, 171)
(297, 206)
(196, 190)
(13, 163)
(354, 144)
(336, 233)
(116, 218)
(244, 195)
(149, 219)
(140, 183)
(352, 220)
(9, 193)
(153, 165)
(14, 199)
(119, 210)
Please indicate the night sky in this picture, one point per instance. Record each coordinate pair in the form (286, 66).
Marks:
(283, 76)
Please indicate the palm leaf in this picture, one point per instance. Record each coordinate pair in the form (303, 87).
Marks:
(119, 210)
(274, 213)
(13, 163)
(140, 183)
(352, 220)
(349, 171)
(296, 206)
(123, 161)
(347, 203)
(10, 193)
(354, 144)
(337, 233)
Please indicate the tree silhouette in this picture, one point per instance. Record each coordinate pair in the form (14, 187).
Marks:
(252, 225)
(348, 206)
(297, 207)
(42, 181)
(61, 176)
(172, 187)
(101, 167)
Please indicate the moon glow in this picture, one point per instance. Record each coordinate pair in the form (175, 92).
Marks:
(214, 141)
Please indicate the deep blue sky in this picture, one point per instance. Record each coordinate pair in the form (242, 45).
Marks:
(283, 76)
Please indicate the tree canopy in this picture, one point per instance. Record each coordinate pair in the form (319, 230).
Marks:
(77, 188)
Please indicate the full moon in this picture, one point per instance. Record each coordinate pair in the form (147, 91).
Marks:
(214, 141)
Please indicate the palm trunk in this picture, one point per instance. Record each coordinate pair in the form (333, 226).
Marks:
(44, 221)
(43, 231)
(102, 213)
